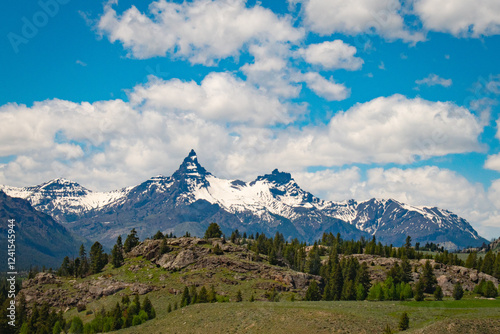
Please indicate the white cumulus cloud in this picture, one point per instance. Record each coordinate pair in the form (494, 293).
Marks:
(328, 89)
(462, 18)
(202, 31)
(354, 17)
(332, 55)
(433, 80)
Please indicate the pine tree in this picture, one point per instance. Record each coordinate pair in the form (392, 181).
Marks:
(117, 317)
(404, 322)
(458, 291)
(64, 269)
(169, 308)
(405, 270)
(314, 260)
(203, 295)
(147, 306)
(97, 258)
(194, 294)
(471, 261)
(428, 278)
(496, 267)
(76, 326)
(158, 235)
(213, 231)
(488, 263)
(489, 290)
(212, 296)
(186, 298)
(116, 257)
(84, 262)
(419, 291)
(438, 293)
(57, 329)
(117, 253)
(131, 241)
(363, 277)
(313, 293)
(360, 292)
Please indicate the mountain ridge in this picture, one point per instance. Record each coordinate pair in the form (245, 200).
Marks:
(193, 197)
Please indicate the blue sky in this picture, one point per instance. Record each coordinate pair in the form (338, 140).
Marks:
(357, 99)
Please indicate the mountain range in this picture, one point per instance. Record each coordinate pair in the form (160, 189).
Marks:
(192, 198)
(39, 239)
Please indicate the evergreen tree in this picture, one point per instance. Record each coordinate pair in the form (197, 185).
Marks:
(458, 291)
(57, 329)
(64, 269)
(438, 293)
(131, 241)
(158, 235)
(405, 270)
(419, 291)
(147, 306)
(116, 257)
(360, 292)
(239, 296)
(428, 278)
(212, 296)
(203, 295)
(84, 262)
(194, 294)
(137, 302)
(496, 267)
(273, 260)
(314, 260)
(117, 318)
(97, 258)
(313, 293)
(76, 326)
(404, 322)
(489, 290)
(363, 277)
(488, 263)
(186, 298)
(213, 231)
(169, 308)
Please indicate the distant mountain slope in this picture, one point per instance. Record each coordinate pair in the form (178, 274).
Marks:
(192, 198)
(39, 239)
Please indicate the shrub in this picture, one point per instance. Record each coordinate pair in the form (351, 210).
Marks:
(404, 322)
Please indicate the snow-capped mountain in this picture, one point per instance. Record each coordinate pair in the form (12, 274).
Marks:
(192, 198)
(65, 200)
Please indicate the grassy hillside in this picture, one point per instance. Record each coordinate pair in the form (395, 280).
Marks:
(192, 261)
(449, 316)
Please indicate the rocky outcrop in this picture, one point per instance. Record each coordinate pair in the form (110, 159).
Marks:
(39, 290)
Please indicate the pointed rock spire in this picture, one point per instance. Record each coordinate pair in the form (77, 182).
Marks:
(190, 167)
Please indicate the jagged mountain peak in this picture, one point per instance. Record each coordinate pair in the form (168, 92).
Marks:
(190, 167)
(277, 177)
(60, 183)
